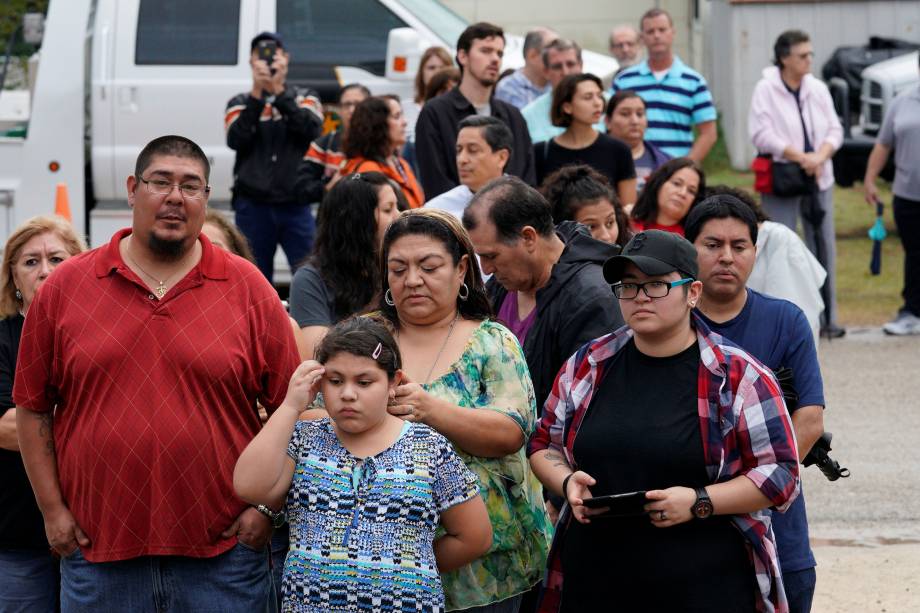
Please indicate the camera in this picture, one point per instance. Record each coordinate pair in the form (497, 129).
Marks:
(819, 455)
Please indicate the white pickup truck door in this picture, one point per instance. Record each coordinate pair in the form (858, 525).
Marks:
(176, 64)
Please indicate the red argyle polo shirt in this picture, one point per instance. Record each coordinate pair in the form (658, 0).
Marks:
(153, 400)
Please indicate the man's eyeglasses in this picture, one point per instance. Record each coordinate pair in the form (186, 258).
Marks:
(163, 187)
(652, 289)
(560, 65)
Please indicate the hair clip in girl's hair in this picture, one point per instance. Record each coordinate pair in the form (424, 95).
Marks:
(356, 176)
(377, 350)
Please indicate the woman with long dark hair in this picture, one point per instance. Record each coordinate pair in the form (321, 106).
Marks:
(376, 135)
(321, 166)
(669, 194)
(341, 277)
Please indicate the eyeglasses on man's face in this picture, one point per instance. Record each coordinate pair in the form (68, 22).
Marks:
(162, 187)
(652, 289)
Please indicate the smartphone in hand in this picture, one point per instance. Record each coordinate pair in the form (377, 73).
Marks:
(630, 504)
(266, 51)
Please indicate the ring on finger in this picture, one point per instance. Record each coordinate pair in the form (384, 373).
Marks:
(662, 516)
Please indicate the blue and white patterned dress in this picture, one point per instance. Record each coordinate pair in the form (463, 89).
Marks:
(362, 529)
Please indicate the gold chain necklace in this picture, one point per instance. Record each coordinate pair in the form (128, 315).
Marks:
(160, 290)
(450, 331)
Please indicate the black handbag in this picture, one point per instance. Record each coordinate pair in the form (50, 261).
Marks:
(790, 180)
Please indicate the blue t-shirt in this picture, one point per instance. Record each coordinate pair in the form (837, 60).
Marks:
(777, 333)
(673, 105)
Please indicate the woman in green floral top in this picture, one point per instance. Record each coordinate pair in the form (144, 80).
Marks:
(467, 379)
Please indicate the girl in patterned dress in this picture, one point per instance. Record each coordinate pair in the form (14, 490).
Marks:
(365, 491)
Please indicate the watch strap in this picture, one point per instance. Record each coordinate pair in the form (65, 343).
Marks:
(277, 518)
(702, 496)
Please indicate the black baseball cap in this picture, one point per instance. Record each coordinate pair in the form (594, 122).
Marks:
(266, 36)
(654, 252)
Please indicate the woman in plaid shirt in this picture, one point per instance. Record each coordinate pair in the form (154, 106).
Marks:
(680, 413)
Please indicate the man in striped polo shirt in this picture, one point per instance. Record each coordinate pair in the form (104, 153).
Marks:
(676, 96)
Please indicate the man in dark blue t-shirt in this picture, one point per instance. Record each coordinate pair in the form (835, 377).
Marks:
(724, 231)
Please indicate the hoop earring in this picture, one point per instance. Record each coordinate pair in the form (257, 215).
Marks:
(388, 298)
(464, 292)
(18, 295)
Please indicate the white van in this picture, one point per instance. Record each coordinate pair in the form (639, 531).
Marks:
(114, 74)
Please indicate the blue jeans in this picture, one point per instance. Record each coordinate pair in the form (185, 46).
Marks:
(279, 544)
(266, 226)
(29, 581)
(800, 589)
(237, 580)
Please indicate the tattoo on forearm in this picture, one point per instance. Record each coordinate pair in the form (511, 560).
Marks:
(46, 431)
(557, 459)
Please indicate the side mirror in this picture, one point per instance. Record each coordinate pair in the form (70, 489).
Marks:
(33, 28)
(404, 50)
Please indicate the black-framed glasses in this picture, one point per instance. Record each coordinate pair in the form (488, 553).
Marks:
(652, 289)
(163, 187)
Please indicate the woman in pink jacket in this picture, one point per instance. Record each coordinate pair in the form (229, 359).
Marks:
(792, 118)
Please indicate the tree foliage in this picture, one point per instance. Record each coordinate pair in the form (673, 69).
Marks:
(11, 12)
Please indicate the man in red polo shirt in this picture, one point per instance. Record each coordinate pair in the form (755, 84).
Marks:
(140, 366)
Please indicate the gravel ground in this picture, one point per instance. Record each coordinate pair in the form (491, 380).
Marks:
(865, 530)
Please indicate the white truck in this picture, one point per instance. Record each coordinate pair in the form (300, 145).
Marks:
(881, 82)
(114, 74)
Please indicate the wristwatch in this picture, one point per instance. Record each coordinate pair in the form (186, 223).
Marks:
(702, 508)
(278, 518)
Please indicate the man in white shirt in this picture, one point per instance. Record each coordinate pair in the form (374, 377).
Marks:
(483, 149)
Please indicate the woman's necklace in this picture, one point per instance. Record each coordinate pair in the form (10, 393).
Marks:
(160, 289)
(437, 358)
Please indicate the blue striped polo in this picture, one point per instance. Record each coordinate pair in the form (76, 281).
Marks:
(673, 105)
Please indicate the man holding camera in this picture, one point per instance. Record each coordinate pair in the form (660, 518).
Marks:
(724, 231)
(270, 127)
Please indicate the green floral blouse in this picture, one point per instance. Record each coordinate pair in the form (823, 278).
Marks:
(492, 374)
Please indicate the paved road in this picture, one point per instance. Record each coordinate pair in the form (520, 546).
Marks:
(866, 529)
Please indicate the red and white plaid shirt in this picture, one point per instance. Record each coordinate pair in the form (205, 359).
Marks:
(745, 427)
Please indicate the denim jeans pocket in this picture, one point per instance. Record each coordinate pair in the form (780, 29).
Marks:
(263, 550)
(73, 555)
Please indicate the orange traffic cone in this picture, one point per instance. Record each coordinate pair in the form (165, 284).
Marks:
(62, 202)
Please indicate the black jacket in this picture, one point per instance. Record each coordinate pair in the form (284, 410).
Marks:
(576, 306)
(316, 168)
(436, 141)
(270, 140)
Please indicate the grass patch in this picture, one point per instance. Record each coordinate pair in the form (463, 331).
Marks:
(863, 299)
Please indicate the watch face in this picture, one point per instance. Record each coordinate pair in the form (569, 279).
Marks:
(702, 509)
